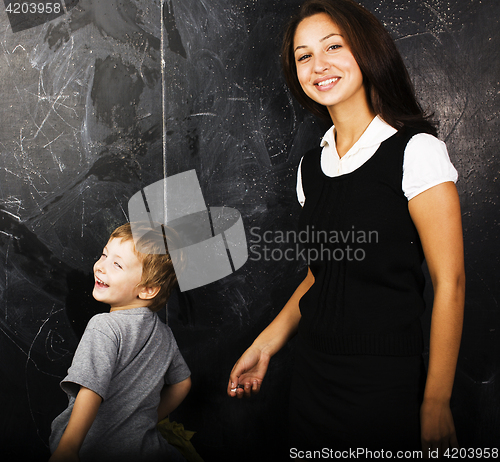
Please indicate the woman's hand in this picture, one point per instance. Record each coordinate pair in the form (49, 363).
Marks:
(249, 372)
(437, 427)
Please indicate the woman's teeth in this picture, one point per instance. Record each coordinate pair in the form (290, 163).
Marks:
(327, 82)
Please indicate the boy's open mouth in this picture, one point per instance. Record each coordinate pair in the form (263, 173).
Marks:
(100, 283)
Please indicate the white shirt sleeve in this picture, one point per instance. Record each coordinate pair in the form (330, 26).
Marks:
(300, 191)
(426, 164)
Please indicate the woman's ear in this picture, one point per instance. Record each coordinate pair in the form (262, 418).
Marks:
(148, 293)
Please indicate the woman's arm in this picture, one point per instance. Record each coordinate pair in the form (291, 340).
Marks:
(172, 396)
(251, 368)
(82, 416)
(437, 217)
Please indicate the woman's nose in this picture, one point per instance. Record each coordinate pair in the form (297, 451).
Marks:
(321, 63)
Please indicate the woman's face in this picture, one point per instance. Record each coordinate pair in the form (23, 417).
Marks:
(326, 68)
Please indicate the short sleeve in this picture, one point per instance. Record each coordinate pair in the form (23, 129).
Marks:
(426, 164)
(178, 370)
(94, 361)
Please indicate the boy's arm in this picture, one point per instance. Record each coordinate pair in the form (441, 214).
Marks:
(82, 416)
(172, 396)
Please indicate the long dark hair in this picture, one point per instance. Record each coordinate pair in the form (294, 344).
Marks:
(387, 82)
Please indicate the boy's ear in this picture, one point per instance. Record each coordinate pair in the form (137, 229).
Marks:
(148, 293)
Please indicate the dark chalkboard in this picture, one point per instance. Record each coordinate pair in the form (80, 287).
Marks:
(90, 116)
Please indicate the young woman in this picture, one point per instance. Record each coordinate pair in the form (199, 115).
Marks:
(383, 181)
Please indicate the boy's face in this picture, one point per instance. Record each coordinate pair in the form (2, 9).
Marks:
(117, 275)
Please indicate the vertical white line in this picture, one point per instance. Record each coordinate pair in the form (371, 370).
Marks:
(163, 105)
(63, 4)
(164, 131)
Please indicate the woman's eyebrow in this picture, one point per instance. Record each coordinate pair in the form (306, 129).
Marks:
(330, 35)
(321, 40)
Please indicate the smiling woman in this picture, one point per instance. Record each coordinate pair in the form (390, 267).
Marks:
(388, 85)
(326, 69)
(359, 378)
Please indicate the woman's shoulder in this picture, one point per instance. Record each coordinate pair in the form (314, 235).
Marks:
(426, 164)
(424, 147)
(426, 140)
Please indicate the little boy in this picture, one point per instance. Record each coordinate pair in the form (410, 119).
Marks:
(127, 373)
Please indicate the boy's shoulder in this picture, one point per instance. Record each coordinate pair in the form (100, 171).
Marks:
(120, 317)
(126, 322)
(99, 319)
(105, 323)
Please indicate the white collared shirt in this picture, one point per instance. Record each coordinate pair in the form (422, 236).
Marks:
(426, 161)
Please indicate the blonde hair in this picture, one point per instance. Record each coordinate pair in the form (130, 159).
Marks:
(157, 266)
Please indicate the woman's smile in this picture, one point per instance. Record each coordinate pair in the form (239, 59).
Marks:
(326, 68)
(326, 83)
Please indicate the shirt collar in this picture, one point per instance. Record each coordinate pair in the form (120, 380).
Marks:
(377, 131)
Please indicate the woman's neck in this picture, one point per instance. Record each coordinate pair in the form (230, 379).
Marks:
(350, 123)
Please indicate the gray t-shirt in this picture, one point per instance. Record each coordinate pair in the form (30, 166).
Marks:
(125, 357)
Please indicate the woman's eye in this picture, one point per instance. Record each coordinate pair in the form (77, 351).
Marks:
(303, 57)
(334, 47)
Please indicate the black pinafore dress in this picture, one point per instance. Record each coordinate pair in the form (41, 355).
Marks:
(359, 376)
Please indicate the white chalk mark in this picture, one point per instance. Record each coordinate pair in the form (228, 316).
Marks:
(58, 136)
(8, 235)
(18, 46)
(121, 207)
(13, 340)
(12, 173)
(203, 114)
(164, 109)
(18, 218)
(141, 62)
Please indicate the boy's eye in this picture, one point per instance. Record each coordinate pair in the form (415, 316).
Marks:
(118, 265)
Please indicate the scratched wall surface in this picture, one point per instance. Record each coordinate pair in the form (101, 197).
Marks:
(81, 131)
